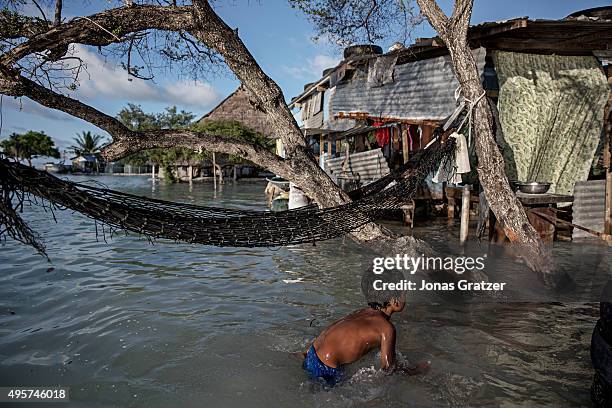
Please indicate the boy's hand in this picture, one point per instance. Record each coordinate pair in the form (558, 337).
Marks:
(421, 368)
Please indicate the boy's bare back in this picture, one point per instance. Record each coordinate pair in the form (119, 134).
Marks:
(353, 336)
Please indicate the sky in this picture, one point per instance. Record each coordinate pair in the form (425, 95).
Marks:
(280, 39)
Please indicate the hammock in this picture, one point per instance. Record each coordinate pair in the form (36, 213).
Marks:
(199, 224)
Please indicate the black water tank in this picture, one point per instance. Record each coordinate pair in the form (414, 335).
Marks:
(361, 50)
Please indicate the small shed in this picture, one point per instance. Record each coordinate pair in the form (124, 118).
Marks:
(86, 163)
(237, 106)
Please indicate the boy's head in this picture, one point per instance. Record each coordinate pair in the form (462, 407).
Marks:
(379, 294)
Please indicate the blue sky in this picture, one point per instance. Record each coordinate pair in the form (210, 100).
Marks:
(279, 37)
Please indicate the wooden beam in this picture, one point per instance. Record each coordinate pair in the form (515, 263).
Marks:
(405, 144)
(608, 159)
(465, 215)
(536, 46)
(321, 147)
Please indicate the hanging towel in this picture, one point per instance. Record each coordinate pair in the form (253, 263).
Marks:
(382, 135)
(462, 157)
(451, 170)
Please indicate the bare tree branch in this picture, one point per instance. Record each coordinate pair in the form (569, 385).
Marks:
(438, 20)
(126, 141)
(114, 26)
(58, 13)
(42, 13)
(104, 28)
(135, 142)
(460, 21)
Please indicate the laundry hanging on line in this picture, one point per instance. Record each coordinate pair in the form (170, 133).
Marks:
(382, 135)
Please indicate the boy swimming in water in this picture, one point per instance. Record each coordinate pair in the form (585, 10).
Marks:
(353, 336)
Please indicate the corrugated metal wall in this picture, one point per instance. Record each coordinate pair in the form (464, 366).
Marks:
(421, 90)
(589, 207)
(368, 166)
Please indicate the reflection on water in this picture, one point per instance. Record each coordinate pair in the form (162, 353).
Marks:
(127, 323)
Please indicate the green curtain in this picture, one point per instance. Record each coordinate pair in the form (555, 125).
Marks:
(551, 112)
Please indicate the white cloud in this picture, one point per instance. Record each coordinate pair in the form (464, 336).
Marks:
(313, 68)
(321, 62)
(28, 106)
(106, 79)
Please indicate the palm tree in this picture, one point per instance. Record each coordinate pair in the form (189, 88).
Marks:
(88, 143)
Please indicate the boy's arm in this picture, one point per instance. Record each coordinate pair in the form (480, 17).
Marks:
(387, 348)
(387, 356)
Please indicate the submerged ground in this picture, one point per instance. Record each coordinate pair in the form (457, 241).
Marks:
(129, 324)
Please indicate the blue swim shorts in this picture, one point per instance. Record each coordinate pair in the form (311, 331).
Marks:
(316, 369)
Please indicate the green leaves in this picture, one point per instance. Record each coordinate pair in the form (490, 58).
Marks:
(136, 119)
(29, 145)
(87, 143)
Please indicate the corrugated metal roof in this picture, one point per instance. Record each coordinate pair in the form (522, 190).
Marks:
(422, 90)
(569, 36)
(368, 166)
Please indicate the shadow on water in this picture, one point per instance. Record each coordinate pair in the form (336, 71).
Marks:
(126, 323)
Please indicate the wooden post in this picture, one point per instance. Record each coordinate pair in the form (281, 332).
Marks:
(405, 144)
(214, 172)
(465, 214)
(235, 172)
(607, 160)
(153, 172)
(321, 147)
(190, 172)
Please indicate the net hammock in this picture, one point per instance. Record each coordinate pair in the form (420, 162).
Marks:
(184, 222)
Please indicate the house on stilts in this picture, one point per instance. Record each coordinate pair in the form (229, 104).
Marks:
(548, 79)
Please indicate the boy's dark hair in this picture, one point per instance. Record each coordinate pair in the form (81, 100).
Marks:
(378, 299)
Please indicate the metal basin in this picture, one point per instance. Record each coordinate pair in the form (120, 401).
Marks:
(533, 187)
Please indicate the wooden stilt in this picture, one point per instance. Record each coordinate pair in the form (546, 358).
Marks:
(465, 215)
(214, 171)
(405, 144)
(607, 160)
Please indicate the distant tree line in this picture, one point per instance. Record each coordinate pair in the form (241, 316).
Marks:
(28, 146)
(136, 119)
(32, 144)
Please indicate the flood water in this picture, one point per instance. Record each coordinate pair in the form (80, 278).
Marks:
(125, 323)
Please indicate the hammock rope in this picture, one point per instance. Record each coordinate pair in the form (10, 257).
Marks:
(200, 224)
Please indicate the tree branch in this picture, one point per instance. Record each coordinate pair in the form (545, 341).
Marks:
(436, 17)
(104, 28)
(127, 141)
(13, 84)
(58, 13)
(460, 21)
(168, 138)
(112, 26)
(263, 91)
(14, 26)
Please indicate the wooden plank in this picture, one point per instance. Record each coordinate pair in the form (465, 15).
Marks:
(321, 147)
(608, 159)
(543, 199)
(427, 135)
(465, 215)
(405, 144)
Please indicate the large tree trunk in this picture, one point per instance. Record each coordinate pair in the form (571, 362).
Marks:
(200, 20)
(491, 172)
